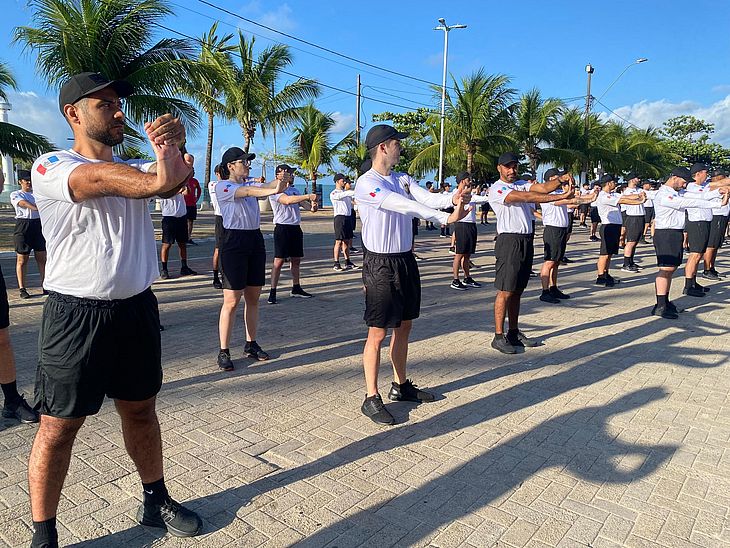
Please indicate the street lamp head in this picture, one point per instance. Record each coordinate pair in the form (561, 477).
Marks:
(590, 69)
(641, 60)
(442, 21)
(458, 26)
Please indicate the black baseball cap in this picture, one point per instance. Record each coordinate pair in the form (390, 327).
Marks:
(696, 168)
(528, 176)
(507, 158)
(683, 173)
(606, 178)
(84, 84)
(463, 175)
(284, 167)
(719, 172)
(552, 172)
(338, 176)
(631, 175)
(235, 153)
(24, 175)
(381, 133)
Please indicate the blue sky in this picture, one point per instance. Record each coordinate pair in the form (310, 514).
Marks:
(543, 44)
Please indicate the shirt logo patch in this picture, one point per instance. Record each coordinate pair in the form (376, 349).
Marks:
(377, 189)
(46, 164)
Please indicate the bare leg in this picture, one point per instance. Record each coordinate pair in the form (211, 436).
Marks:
(338, 244)
(371, 358)
(466, 259)
(603, 264)
(456, 264)
(165, 252)
(40, 259)
(190, 229)
(21, 266)
(399, 350)
(215, 259)
(276, 271)
(554, 275)
(48, 464)
(231, 298)
(500, 310)
(296, 264)
(545, 274)
(142, 438)
(709, 258)
(690, 269)
(251, 311)
(346, 244)
(183, 251)
(513, 310)
(663, 280)
(7, 359)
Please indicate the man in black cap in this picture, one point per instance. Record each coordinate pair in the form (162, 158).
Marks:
(388, 202)
(513, 205)
(465, 234)
(28, 234)
(670, 207)
(608, 204)
(288, 236)
(718, 226)
(100, 331)
(633, 222)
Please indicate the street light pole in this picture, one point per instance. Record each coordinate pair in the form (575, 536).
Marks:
(589, 69)
(446, 28)
(637, 62)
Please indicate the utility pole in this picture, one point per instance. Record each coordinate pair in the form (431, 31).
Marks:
(586, 165)
(358, 126)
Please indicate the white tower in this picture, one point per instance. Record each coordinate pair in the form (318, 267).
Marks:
(8, 170)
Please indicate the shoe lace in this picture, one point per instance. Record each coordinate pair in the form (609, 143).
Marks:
(169, 509)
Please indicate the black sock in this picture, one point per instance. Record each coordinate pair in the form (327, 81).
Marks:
(225, 351)
(689, 283)
(627, 261)
(10, 392)
(164, 265)
(546, 291)
(295, 287)
(249, 344)
(602, 275)
(272, 290)
(184, 263)
(155, 492)
(45, 533)
(662, 300)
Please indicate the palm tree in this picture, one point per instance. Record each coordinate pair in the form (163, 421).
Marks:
(311, 142)
(478, 121)
(251, 95)
(570, 149)
(14, 140)
(632, 149)
(534, 118)
(206, 90)
(115, 38)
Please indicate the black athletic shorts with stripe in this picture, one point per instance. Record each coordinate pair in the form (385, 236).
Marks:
(514, 254)
(89, 349)
(392, 288)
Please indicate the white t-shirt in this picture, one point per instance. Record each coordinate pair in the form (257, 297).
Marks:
(608, 209)
(238, 213)
(385, 231)
(286, 214)
(555, 215)
(511, 218)
(633, 210)
(23, 212)
(649, 198)
(341, 201)
(670, 205)
(476, 199)
(699, 214)
(174, 206)
(213, 198)
(102, 248)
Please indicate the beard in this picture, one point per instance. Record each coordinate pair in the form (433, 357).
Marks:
(104, 135)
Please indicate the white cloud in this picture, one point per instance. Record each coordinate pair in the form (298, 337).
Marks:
(722, 88)
(279, 18)
(436, 59)
(39, 115)
(655, 113)
(344, 123)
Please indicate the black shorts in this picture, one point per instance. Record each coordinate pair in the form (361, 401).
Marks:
(718, 225)
(353, 220)
(584, 209)
(634, 227)
(288, 241)
(648, 215)
(624, 215)
(485, 207)
(242, 259)
(28, 236)
(571, 220)
(698, 234)
(218, 230)
(415, 222)
(595, 217)
(174, 229)
(88, 349)
(466, 238)
(555, 240)
(668, 246)
(514, 254)
(610, 234)
(343, 227)
(392, 288)
(4, 305)
(191, 212)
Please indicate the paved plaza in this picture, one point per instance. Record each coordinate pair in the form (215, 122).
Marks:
(616, 432)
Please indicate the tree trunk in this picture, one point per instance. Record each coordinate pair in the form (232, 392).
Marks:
(314, 182)
(469, 160)
(208, 155)
(248, 135)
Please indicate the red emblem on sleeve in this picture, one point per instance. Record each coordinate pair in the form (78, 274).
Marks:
(40, 169)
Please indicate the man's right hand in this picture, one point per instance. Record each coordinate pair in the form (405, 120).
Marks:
(460, 211)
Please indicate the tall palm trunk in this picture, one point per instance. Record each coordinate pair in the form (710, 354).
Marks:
(208, 155)
(469, 159)
(314, 182)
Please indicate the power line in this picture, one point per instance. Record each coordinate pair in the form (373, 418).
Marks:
(616, 115)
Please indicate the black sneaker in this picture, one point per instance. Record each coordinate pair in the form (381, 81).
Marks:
(299, 292)
(20, 410)
(217, 284)
(354, 250)
(456, 284)
(533, 274)
(337, 267)
(24, 293)
(548, 297)
(500, 343)
(601, 280)
(452, 251)
(253, 350)
(187, 271)
(665, 312)
(224, 362)
(710, 275)
(630, 268)
(349, 265)
(374, 408)
(470, 282)
(594, 239)
(716, 273)
(170, 515)
(565, 260)
(611, 281)
(672, 306)
(409, 392)
(555, 292)
(701, 287)
(643, 241)
(191, 242)
(693, 292)
(272, 297)
(520, 339)
(164, 274)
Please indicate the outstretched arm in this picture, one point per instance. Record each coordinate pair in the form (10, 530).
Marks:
(530, 197)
